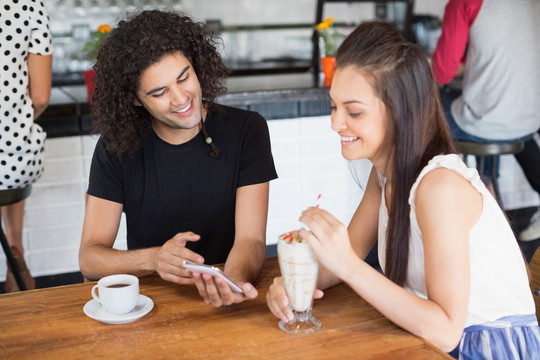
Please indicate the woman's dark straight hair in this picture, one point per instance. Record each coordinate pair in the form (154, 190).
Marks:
(401, 76)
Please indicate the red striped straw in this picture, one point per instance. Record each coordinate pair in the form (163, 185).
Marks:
(318, 201)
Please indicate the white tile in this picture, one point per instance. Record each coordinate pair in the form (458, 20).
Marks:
(55, 216)
(285, 150)
(60, 170)
(87, 162)
(55, 194)
(59, 237)
(316, 126)
(53, 261)
(288, 169)
(89, 144)
(283, 130)
(285, 209)
(62, 147)
(284, 189)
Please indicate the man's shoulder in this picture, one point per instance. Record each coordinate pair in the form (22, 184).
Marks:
(234, 116)
(235, 112)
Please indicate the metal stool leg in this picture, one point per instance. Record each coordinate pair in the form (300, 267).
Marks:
(480, 165)
(11, 260)
(494, 165)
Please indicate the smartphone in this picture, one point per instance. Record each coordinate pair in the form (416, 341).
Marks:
(214, 271)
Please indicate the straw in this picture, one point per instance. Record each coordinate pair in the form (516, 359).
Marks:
(318, 201)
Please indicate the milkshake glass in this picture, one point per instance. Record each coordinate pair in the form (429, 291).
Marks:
(299, 270)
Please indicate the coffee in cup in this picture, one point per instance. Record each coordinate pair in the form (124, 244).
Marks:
(118, 294)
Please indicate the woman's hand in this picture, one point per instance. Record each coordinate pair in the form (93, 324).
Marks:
(329, 240)
(278, 302)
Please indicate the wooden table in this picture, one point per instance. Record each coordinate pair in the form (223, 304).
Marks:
(50, 324)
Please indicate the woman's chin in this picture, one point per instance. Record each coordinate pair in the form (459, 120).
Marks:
(348, 156)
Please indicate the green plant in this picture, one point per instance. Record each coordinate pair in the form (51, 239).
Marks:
(92, 46)
(329, 35)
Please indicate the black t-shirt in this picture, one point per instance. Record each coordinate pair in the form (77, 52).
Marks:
(167, 189)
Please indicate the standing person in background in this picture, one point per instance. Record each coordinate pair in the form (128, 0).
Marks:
(453, 271)
(25, 75)
(191, 176)
(500, 97)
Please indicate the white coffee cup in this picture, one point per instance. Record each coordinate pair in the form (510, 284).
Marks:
(118, 294)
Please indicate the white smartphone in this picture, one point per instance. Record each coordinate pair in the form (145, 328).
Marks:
(213, 271)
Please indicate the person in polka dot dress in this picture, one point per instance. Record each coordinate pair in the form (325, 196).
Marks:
(25, 76)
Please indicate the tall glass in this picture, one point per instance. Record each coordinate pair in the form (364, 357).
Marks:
(299, 270)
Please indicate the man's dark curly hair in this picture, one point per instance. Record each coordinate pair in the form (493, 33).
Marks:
(138, 42)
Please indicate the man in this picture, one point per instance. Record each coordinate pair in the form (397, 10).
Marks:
(190, 175)
(500, 100)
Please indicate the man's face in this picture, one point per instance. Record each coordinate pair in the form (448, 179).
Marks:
(170, 91)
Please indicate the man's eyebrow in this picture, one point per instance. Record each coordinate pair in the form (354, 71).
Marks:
(163, 87)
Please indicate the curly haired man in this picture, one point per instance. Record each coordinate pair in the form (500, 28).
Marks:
(190, 175)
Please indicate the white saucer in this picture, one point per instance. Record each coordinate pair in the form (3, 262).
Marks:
(94, 310)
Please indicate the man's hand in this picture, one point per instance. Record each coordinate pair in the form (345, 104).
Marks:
(215, 290)
(168, 259)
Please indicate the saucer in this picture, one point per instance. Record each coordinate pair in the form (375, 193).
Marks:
(94, 310)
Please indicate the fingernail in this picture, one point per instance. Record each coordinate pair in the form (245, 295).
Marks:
(284, 319)
(248, 287)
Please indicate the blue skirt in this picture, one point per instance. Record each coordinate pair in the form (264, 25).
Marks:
(511, 337)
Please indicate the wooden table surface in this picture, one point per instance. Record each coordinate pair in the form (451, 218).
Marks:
(50, 324)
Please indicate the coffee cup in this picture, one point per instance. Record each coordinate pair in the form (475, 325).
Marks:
(117, 294)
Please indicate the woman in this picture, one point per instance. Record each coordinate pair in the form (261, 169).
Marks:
(26, 74)
(451, 263)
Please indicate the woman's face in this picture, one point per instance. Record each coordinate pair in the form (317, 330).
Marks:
(359, 117)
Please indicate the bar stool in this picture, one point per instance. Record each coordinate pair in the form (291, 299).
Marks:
(491, 150)
(8, 197)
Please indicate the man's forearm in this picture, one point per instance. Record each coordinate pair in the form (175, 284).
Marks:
(245, 262)
(98, 261)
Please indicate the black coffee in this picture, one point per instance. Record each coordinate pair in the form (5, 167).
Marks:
(114, 286)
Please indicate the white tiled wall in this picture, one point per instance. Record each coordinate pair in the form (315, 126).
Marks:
(308, 160)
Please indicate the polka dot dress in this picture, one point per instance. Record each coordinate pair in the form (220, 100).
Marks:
(24, 29)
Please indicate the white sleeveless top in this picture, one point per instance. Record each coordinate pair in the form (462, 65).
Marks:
(499, 281)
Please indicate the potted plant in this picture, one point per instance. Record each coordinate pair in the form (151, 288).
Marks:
(91, 49)
(329, 37)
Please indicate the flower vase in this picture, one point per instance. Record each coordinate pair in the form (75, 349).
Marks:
(89, 80)
(328, 67)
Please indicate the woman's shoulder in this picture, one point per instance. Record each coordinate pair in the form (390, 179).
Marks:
(445, 177)
(447, 190)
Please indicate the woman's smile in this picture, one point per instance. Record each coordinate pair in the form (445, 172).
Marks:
(347, 140)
